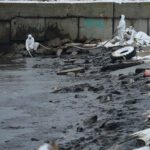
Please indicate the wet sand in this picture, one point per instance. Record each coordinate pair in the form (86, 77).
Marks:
(98, 114)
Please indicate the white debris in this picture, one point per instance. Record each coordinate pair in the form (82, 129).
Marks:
(143, 135)
(145, 59)
(142, 148)
(45, 146)
(142, 38)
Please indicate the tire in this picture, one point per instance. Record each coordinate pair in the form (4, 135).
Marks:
(125, 52)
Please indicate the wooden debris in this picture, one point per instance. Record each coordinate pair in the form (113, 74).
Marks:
(122, 65)
(72, 44)
(89, 45)
(69, 61)
(75, 70)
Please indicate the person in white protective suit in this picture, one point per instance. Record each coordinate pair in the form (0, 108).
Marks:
(121, 29)
(31, 44)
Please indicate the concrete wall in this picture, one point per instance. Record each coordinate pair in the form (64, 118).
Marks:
(74, 21)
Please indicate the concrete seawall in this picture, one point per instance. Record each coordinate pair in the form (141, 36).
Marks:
(74, 21)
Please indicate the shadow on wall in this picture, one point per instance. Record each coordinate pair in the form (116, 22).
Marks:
(53, 32)
(43, 29)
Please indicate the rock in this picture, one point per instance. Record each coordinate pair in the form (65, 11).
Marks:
(80, 96)
(74, 53)
(124, 82)
(112, 124)
(140, 70)
(131, 81)
(134, 101)
(59, 52)
(43, 51)
(34, 139)
(80, 129)
(105, 98)
(91, 120)
(70, 127)
(18, 47)
(122, 76)
(116, 92)
(94, 89)
(64, 41)
(54, 43)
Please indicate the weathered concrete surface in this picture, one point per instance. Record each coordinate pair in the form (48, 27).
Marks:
(4, 32)
(138, 24)
(21, 27)
(95, 28)
(74, 21)
(148, 26)
(62, 28)
(8, 11)
(133, 10)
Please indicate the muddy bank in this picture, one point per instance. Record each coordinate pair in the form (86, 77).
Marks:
(82, 111)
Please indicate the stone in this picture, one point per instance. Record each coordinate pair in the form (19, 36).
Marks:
(54, 43)
(59, 52)
(113, 124)
(80, 129)
(91, 120)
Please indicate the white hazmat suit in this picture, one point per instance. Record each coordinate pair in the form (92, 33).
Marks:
(121, 29)
(31, 44)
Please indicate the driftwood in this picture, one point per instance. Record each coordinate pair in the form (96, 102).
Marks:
(67, 45)
(69, 61)
(75, 70)
(81, 46)
(89, 45)
(113, 67)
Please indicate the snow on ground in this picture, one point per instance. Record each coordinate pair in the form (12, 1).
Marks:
(72, 1)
